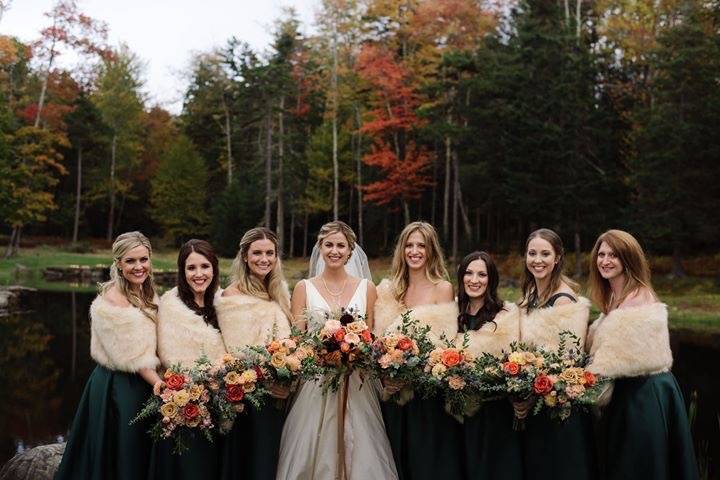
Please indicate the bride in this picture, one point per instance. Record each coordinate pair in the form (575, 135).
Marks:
(328, 435)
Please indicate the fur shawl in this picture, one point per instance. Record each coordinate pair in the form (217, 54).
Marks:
(494, 338)
(246, 320)
(183, 335)
(441, 318)
(542, 326)
(121, 338)
(631, 342)
(387, 308)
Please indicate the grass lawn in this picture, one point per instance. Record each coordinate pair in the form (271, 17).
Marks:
(694, 302)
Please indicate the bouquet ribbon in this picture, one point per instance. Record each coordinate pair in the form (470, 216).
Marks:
(342, 398)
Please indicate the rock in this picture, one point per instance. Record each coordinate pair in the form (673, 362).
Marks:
(39, 463)
(11, 298)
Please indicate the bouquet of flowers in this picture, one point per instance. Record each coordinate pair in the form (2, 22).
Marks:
(181, 406)
(564, 384)
(236, 382)
(401, 355)
(341, 345)
(451, 371)
(512, 374)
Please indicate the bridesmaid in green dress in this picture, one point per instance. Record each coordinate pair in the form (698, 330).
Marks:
(426, 441)
(187, 329)
(253, 310)
(102, 445)
(553, 450)
(492, 449)
(644, 429)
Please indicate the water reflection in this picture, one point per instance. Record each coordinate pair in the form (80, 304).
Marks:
(45, 361)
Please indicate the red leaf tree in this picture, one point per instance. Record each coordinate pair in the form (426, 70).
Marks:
(391, 124)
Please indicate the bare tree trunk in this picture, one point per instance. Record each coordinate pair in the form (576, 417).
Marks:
(228, 142)
(567, 12)
(434, 193)
(43, 87)
(280, 223)
(73, 357)
(268, 165)
(458, 193)
(455, 212)
(406, 211)
(305, 235)
(578, 14)
(446, 198)
(358, 167)
(292, 234)
(11, 244)
(578, 246)
(111, 215)
(678, 271)
(78, 192)
(334, 88)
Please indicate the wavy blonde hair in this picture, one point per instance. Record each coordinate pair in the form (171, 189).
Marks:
(273, 287)
(435, 260)
(337, 226)
(144, 299)
(529, 287)
(635, 266)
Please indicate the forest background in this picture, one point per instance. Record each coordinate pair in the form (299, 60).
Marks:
(486, 118)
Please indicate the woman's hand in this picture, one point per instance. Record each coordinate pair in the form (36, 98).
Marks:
(392, 386)
(279, 391)
(157, 387)
(522, 407)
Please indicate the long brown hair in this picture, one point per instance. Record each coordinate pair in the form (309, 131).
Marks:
(435, 260)
(492, 304)
(273, 286)
(144, 299)
(529, 287)
(635, 267)
(185, 292)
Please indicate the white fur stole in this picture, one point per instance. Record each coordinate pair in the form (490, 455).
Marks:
(631, 342)
(442, 318)
(122, 338)
(183, 335)
(387, 308)
(542, 326)
(246, 320)
(494, 338)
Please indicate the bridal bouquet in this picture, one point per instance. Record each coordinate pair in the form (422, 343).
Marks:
(564, 384)
(341, 345)
(235, 383)
(181, 406)
(400, 356)
(513, 374)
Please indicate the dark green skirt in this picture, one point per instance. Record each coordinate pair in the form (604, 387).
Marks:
(644, 431)
(426, 441)
(102, 445)
(558, 451)
(201, 460)
(492, 449)
(252, 446)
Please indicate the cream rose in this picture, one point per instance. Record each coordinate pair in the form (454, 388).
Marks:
(181, 398)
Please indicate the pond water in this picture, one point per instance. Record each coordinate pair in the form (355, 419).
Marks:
(45, 361)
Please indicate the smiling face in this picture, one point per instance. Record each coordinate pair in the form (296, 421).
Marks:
(415, 251)
(540, 258)
(476, 279)
(608, 264)
(335, 250)
(198, 273)
(261, 257)
(135, 266)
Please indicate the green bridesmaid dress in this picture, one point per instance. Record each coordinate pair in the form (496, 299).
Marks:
(644, 431)
(395, 425)
(201, 460)
(102, 445)
(252, 446)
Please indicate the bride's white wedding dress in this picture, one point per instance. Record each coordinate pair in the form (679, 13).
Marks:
(309, 446)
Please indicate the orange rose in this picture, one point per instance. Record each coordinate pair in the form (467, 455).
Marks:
(190, 411)
(274, 346)
(404, 344)
(175, 381)
(542, 384)
(344, 347)
(450, 357)
(511, 367)
(366, 336)
(590, 379)
(339, 335)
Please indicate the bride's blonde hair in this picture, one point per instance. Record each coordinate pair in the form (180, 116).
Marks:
(273, 286)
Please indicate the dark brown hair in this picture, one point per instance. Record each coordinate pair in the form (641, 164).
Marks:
(185, 292)
(493, 304)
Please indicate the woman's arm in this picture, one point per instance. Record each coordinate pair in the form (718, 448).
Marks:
(297, 306)
(370, 311)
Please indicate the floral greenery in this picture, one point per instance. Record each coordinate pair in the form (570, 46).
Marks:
(182, 406)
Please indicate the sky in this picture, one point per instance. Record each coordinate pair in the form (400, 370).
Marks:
(165, 33)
